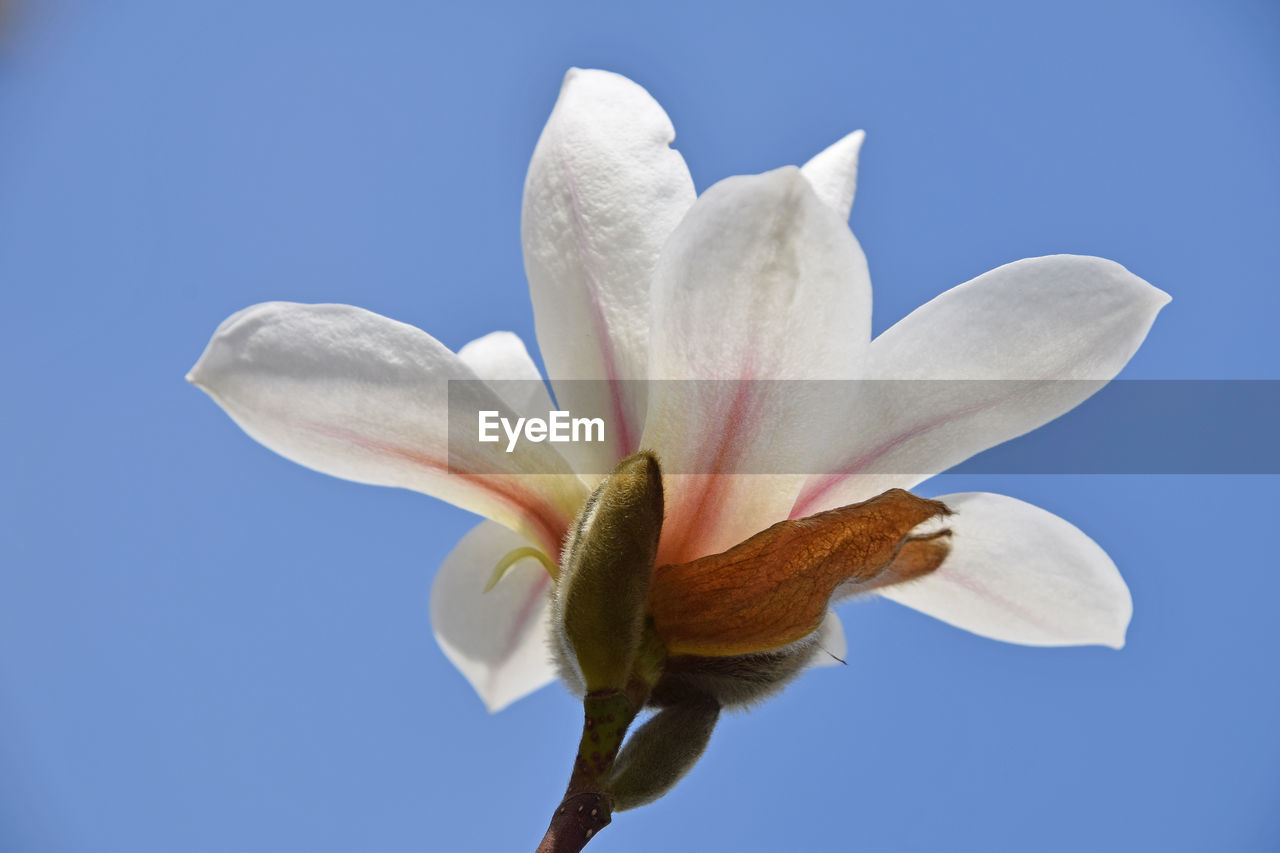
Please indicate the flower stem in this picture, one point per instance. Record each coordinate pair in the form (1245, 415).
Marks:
(587, 807)
(577, 820)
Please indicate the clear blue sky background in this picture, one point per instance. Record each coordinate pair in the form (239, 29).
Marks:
(204, 647)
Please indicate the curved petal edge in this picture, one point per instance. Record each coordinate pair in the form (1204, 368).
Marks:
(604, 191)
(1021, 574)
(496, 639)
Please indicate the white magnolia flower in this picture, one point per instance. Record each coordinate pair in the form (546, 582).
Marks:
(633, 277)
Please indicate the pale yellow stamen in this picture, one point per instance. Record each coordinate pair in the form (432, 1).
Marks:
(513, 557)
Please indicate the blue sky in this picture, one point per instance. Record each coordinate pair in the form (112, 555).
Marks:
(205, 647)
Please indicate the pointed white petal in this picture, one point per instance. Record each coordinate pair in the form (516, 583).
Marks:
(501, 359)
(834, 173)
(761, 281)
(603, 193)
(833, 649)
(497, 639)
(1021, 574)
(499, 355)
(356, 395)
(1043, 334)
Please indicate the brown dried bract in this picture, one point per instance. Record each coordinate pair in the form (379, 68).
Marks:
(774, 588)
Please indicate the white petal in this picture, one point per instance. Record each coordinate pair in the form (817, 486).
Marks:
(834, 173)
(499, 355)
(502, 360)
(833, 649)
(603, 193)
(497, 639)
(356, 395)
(761, 281)
(1021, 574)
(1039, 321)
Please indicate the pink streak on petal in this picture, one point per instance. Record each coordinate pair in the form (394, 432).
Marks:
(808, 503)
(608, 357)
(548, 523)
(699, 513)
(516, 628)
(973, 585)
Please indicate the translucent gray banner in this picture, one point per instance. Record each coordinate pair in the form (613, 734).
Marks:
(907, 427)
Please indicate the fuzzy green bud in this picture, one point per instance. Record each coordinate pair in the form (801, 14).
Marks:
(661, 752)
(605, 572)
